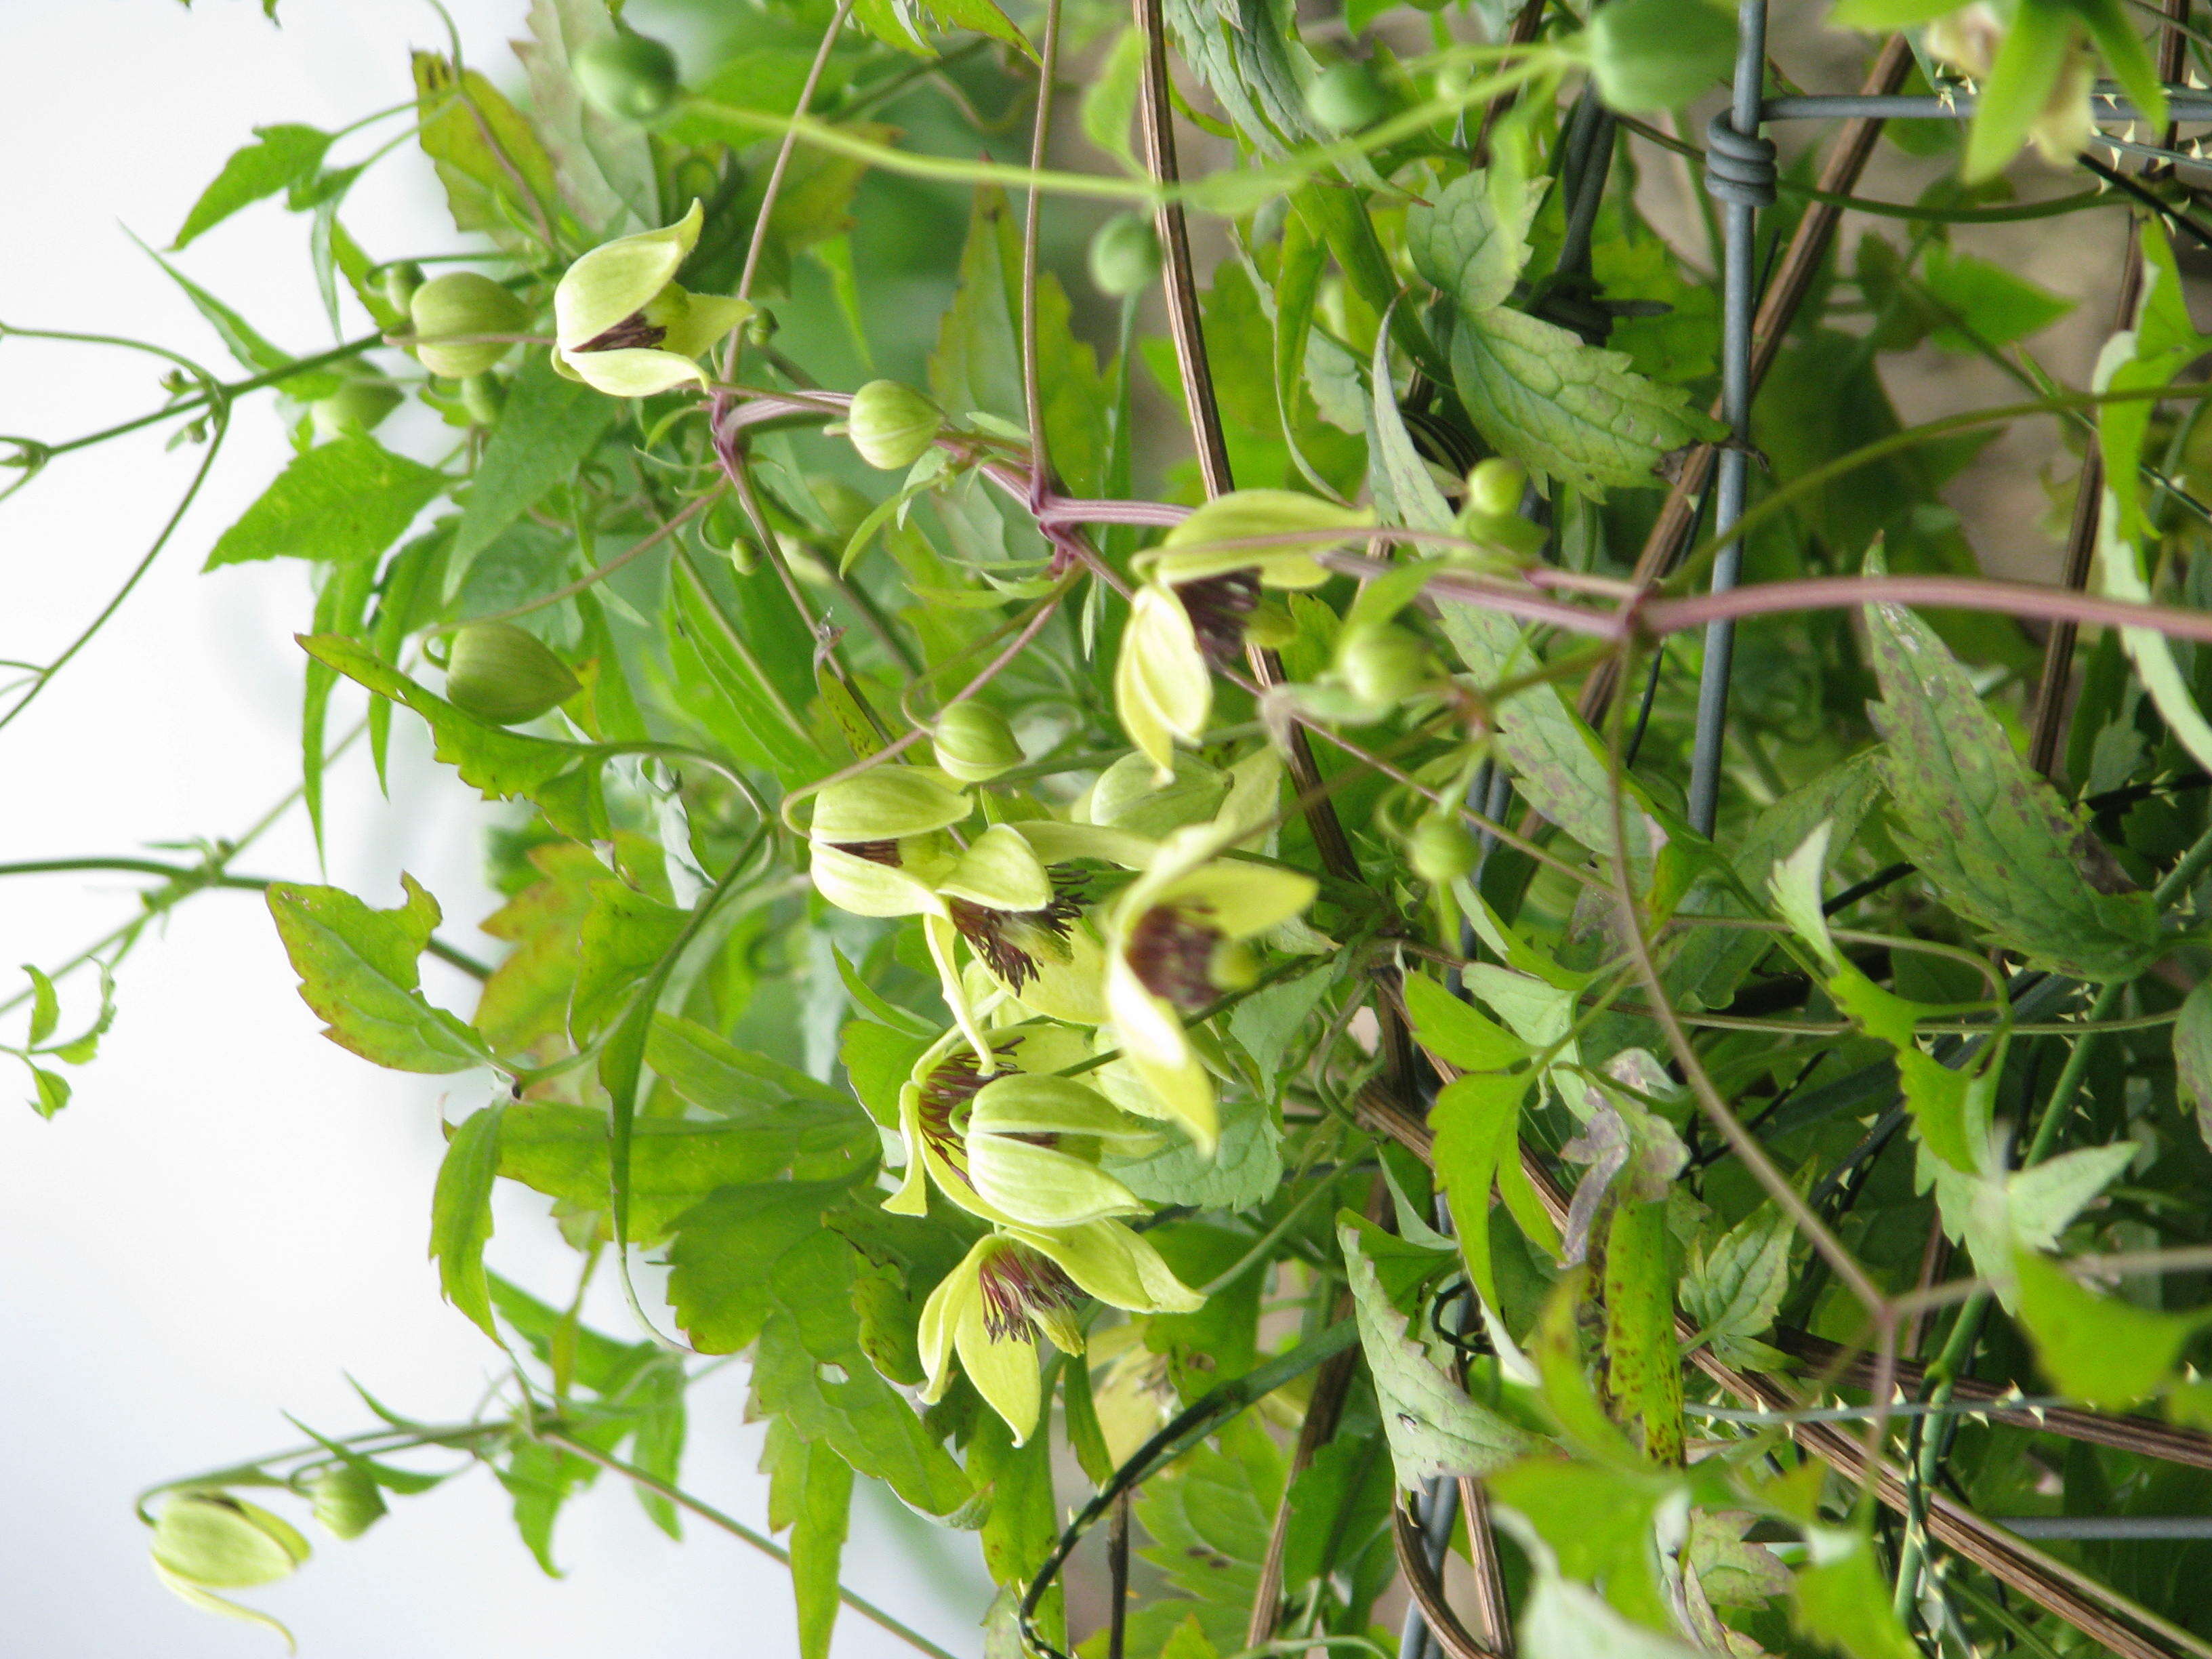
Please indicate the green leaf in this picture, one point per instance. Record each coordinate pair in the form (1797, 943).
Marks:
(547, 427)
(1022, 1526)
(1643, 1359)
(340, 608)
(811, 1491)
(54, 1091)
(623, 936)
(716, 1074)
(1209, 1523)
(1575, 412)
(526, 997)
(1733, 1291)
(726, 1246)
(1246, 1168)
(283, 156)
(340, 502)
(572, 1348)
(460, 1214)
(2192, 1054)
(561, 777)
(1434, 1428)
(1267, 1022)
(985, 18)
(1658, 54)
(1568, 1620)
(1990, 835)
(1109, 102)
(497, 176)
(46, 1007)
(1467, 243)
(358, 970)
(2107, 1352)
(2001, 307)
(1477, 1121)
(251, 351)
(1456, 1032)
(675, 1162)
(2114, 30)
(756, 726)
(1885, 15)
(1844, 1601)
(2021, 81)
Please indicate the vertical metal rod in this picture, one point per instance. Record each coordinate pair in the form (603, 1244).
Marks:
(1738, 303)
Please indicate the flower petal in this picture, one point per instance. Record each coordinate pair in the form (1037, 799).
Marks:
(707, 318)
(863, 887)
(1240, 898)
(1070, 985)
(886, 803)
(944, 948)
(1115, 1264)
(1055, 843)
(1040, 1186)
(633, 371)
(1162, 689)
(618, 278)
(1004, 1369)
(1000, 872)
(956, 1294)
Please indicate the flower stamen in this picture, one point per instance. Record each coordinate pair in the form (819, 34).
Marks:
(1019, 1285)
(1171, 952)
(631, 334)
(1219, 607)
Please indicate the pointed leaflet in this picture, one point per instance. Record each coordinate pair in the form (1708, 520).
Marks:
(280, 155)
(497, 174)
(547, 427)
(2100, 1349)
(1463, 248)
(2192, 1055)
(339, 502)
(1434, 1428)
(811, 1491)
(358, 969)
(244, 342)
(1477, 1121)
(460, 1215)
(1991, 837)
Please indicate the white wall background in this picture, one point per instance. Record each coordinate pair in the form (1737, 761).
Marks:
(232, 1212)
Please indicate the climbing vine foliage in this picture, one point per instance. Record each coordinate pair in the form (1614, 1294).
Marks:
(1082, 632)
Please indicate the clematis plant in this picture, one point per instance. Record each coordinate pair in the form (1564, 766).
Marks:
(622, 326)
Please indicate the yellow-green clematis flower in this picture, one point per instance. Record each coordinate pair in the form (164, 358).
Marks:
(621, 326)
(876, 841)
(1174, 943)
(1021, 1148)
(1189, 614)
(1011, 1286)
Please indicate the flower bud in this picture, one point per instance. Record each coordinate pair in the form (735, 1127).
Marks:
(891, 425)
(1382, 663)
(1441, 850)
(464, 302)
(500, 673)
(1495, 486)
(1125, 256)
(216, 1541)
(400, 283)
(484, 397)
(627, 76)
(974, 742)
(346, 1500)
(1345, 97)
(358, 405)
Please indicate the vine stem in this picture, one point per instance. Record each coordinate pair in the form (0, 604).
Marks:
(1040, 139)
(737, 1529)
(774, 187)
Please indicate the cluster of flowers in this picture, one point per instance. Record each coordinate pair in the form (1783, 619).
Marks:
(1070, 1040)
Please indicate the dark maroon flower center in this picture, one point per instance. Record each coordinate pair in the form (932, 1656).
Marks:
(1171, 952)
(1003, 939)
(1017, 1284)
(876, 852)
(627, 335)
(945, 1094)
(1219, 607)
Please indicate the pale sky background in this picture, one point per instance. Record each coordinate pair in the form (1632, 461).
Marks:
(232, 1212)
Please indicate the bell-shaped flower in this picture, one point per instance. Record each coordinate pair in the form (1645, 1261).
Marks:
(1175, 944)
(1201, 586)
(876, 843)
(1022, 1147)
(621, 326)
(988, 1311)
(1011, 1286)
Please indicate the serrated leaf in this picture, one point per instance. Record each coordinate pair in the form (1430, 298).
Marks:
(1733, 1291)
(1572, 411)
(809, 1491)
(2192, 1054)
(623, 936)
(243, 343)
(1477, 1122)
(758, 727)
(497, 176)
(1209, 1524)
(1456, 1032)
(1991, 835)
(460, 1215)
(1436, 1430)
(358, 969)
(339, 502)
(547, 427)
(1247, 1166)
(280, 155)
(713, 1073)
(603, 167)
(2099, 1349)
(526, 997)
(1468, 249)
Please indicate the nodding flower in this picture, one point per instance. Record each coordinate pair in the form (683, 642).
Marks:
(622, 326)
(1021, 1148)
(1021, 1281)
(1201, 586)
(1176, 941)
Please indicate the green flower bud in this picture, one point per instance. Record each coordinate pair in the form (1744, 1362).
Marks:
(627, 76)
(1495, 486)
(725, 531)
(482, 396)
(891, 425)
(358, 405)
(1271, 627)
(1126, 798)
(1125, 256)
(464, 302)
(500, 673)
(1441, 850)
(1382, 663)
(216, 1541)
(400, 283)
(347, 1501)
(974, 743)
(1344, 98)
